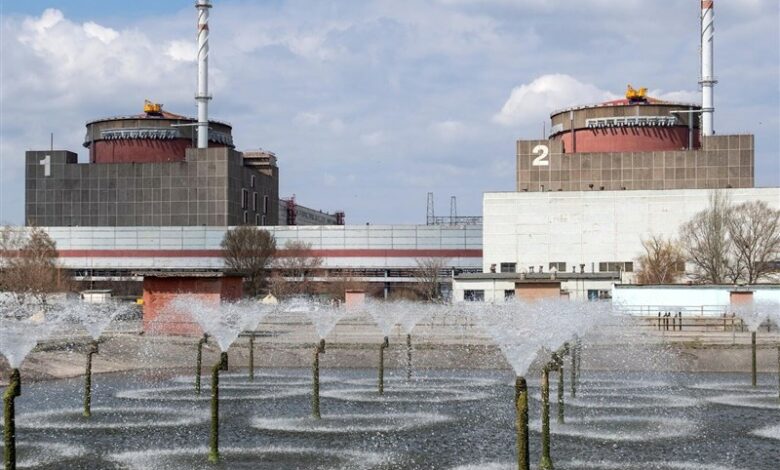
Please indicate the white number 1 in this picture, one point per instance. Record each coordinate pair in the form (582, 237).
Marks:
(46, 162)
(542, 151)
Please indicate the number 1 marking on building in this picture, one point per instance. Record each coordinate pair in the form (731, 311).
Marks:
(46, 162)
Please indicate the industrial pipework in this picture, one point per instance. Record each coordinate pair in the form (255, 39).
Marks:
(707, 81)
(202, 97)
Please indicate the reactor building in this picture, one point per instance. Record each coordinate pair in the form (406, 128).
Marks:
(607, 177)
(155, 169)
(144, 170)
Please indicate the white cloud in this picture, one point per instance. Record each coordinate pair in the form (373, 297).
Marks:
(533, 102)
(94, 30)
(49, 18)
(679, 96)
(181, 50)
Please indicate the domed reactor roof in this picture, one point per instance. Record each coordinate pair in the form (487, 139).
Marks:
(636, 123)
(154, 136)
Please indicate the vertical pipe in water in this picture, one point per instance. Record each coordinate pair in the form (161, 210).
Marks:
(93, 349)
(13, 390)
(753, 356)
(545, 462)
(199, 362)
(521, 408)
(560, 393)
(315, 396)
(574, 370)
(214, 441)
(252, 356)
(382, 348)
(408, 357)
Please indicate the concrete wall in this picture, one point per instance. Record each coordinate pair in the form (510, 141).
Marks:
(590, 227)
(694, 300)
(721, 162)
(206, 189)
(347, 246)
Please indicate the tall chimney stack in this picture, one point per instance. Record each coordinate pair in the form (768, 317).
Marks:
(202, 97)
(707, 79)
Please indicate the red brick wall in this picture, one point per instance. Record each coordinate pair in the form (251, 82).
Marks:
(160, 291)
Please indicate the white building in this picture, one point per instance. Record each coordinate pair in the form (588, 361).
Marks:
(590, 231)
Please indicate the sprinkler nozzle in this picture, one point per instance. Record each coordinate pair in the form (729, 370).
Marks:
(386, 343)
(321, 347)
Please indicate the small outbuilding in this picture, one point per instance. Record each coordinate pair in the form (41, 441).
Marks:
(162, 287)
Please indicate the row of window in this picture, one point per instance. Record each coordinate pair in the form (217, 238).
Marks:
(259, 219)
(245, 201)
(560, 266)
(478, 295)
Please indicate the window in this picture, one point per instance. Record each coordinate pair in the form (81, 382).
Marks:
(253, 180)
(254, 202)
(265, 205)
(615, 266)
(558, 266)
(509, 294)
(244, 199)
(257, 219)
(599, 294)
(262, 220)
(474, 295)
(508, 267)
(246, 217)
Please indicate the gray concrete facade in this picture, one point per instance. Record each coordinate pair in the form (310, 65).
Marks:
(211, 187)
(724, 161)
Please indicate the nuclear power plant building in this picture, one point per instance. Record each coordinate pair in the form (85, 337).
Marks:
(144, 170)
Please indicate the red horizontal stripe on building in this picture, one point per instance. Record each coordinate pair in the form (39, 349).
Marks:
(324, 253)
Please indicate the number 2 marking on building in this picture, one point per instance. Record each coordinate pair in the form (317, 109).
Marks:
(543, 151)
(46, 162)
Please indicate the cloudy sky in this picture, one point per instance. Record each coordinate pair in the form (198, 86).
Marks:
(370, 104)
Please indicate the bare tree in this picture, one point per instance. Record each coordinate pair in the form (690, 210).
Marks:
(29, 270)
(754, 228)
(662, 263)
(429, 277)
(706, 242)
(249, 251)
(296, 264)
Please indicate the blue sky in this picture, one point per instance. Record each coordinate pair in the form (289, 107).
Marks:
(371, 104)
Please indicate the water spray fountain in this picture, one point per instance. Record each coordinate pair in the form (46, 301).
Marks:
(95, 318)
(223, 322)
(21, 327)
(520, 330)
(386, 315)
(413, 315)
(264, 308)
(754, 315)
(324, 319)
